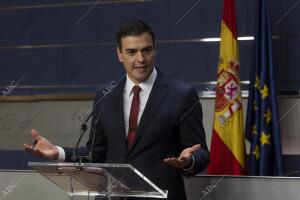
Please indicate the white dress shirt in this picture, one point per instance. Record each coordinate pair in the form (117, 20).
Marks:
(146, 88)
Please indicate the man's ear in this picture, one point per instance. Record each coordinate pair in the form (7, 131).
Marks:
(120, 55)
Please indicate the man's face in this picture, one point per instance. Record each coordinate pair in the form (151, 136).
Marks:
(138, 56)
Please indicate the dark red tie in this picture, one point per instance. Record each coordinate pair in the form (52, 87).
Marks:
(133, 117)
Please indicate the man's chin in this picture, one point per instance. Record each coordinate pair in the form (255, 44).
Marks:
(141, 78)
(141, 74)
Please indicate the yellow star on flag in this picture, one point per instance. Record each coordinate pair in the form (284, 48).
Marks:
(255, 106)
(265, 139)
(264, 92)
(255, 152)
(268, 116)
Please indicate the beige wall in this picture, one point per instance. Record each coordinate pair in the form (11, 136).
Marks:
(59, 121)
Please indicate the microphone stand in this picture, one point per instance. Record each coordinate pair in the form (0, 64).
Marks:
(82, 132)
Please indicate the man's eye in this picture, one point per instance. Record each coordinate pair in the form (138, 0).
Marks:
(147, 50)
(131, 53)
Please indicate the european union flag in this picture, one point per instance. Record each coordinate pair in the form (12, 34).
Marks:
(262, 125)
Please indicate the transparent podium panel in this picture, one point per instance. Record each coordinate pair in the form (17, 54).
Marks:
(99, 179)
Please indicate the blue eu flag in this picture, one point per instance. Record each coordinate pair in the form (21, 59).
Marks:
(262, 125)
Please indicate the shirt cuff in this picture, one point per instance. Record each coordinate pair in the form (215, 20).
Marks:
(190, 169)
(61, 154)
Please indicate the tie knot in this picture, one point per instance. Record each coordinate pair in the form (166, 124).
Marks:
(136, 90)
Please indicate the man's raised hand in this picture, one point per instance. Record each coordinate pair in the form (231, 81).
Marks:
(41, 147)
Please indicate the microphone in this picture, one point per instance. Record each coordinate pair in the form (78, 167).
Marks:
(84, 125)
(82, 131)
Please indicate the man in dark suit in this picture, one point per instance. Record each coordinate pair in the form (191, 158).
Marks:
(148, 119)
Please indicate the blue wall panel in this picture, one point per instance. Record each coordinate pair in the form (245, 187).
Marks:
(72, 44)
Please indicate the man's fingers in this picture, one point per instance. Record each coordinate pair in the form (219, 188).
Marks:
(195, 148)
(26, 146)
(188, 152)
(35, 134)
(175, 162)
(184, 158)
(29, 148)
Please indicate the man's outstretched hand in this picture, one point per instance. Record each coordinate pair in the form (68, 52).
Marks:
(185, 158)
(41, 147)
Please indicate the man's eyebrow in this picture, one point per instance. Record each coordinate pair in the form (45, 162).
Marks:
(133, 49)
(130, 49)
(147, 47)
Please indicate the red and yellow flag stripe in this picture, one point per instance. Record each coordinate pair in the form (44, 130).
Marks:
(228, 144)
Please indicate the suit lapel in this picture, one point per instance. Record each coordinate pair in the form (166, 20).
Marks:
(157, 94)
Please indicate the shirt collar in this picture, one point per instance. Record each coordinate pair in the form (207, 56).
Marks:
(145, 86)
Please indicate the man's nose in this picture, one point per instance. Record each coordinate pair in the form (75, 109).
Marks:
(140, 57)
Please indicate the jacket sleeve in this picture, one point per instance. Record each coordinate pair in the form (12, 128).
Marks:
(191, 130)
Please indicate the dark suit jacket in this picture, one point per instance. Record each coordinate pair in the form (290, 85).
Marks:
(171, 122)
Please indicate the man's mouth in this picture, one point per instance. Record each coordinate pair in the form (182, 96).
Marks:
(140, 67)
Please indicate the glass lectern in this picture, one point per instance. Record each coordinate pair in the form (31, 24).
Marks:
(99, 179)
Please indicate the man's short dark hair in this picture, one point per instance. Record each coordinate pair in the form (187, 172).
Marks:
(133, 27)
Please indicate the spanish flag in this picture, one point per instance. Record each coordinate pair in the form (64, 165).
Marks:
(228, 144)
